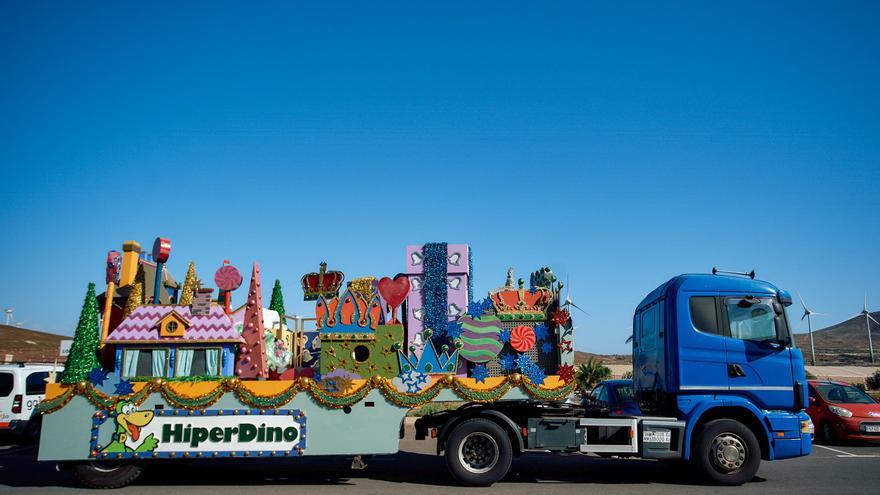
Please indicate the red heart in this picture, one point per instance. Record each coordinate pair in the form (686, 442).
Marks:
(394, 291)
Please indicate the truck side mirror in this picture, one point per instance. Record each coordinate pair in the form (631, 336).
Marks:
(782, 335)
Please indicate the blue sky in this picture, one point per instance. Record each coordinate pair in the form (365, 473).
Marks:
(621, 145)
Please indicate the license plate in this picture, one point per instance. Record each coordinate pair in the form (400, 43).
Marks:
(656, 436)
(872, 428)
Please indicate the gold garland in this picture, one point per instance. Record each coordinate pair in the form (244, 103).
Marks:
(327, 399)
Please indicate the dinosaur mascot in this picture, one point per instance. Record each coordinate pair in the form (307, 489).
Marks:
(129, 422)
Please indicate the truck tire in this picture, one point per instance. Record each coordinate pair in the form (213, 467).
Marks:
(106, 474)
(478, 452)
(727, 452)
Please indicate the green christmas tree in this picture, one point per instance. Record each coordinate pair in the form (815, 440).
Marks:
(277, 302)
(83, 356)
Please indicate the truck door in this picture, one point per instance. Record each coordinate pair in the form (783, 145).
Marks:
(702, 344)
(758, 365)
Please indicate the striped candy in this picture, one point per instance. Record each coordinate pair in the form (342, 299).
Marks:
(522, 338)
(480, 338)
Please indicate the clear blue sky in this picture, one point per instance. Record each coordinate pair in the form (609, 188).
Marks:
(620, 145)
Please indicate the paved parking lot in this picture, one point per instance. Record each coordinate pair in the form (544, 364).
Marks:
(834, 470)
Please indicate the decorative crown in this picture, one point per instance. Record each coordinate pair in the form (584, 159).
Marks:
(322, 284)
(348, 316)
(430, 361)
(521, 303)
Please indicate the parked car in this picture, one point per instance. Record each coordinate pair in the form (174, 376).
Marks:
(22, 387)
(617, 396)
(841, 411)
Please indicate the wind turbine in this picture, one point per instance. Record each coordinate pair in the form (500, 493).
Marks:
(9, 315)
(568, 302)
(808, 314)
(868, 320)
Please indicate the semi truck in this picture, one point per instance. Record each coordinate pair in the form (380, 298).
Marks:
(719, 381)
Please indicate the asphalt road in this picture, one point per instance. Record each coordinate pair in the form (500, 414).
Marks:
(834, 470)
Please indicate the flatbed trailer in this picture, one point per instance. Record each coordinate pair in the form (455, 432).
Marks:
(716, 373)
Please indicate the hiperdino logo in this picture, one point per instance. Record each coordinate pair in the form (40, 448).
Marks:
(208, 432)
(240, 434)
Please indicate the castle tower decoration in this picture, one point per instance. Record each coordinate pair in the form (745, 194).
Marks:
(251, 361)
(439, 276)
(525, 315)
(324, 284)
(352, 338)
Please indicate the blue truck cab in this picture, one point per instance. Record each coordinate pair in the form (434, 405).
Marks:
(717, 350)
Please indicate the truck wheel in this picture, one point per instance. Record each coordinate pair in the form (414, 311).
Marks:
(727, 452)
(478, 452)
(95, 474)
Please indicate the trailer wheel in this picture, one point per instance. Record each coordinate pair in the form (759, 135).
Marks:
(478, 452)
(95, 474)
(727, 452)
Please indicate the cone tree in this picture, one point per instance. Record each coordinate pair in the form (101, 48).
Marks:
(277, 302)
(190, 285)
(83, 356)
(251, 361)
(136, 295)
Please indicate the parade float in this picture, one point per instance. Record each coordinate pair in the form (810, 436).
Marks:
(159, 371)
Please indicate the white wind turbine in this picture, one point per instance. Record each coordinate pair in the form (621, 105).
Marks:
(868, 320)
(808, 313)
(568, 302)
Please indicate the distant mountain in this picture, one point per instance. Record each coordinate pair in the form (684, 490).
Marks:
(843, 343)
(583, 357)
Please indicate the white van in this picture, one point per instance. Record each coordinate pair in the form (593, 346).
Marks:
(22, 387)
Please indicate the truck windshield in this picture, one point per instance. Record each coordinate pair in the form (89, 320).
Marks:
(843, 394)
(752, 318)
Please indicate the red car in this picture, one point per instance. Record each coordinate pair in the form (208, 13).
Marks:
(841, 411)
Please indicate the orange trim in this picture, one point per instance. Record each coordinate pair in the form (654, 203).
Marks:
(4, 425)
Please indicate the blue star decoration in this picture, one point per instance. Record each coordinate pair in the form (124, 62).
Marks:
(504, 335)
(546, 348)
(523, 362)
(124, 387)
(541, 331)
(487, 304)
(536, 375)
(97, 376)
(480, 373)
(507, 362)
(453, 330)
(533, 289)
(475, 309)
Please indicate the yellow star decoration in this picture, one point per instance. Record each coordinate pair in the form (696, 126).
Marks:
(331, 351)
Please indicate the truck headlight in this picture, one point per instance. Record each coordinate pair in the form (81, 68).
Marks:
(840, 411)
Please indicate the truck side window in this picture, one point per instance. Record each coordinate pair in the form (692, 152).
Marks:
(5, 384)
(703, 314)
(649, 328)
(751, 318)
(35, 384)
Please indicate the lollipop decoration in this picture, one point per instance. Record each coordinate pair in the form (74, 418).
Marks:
(227, 278)
(522, 338)
(161, 250)
(394, 292)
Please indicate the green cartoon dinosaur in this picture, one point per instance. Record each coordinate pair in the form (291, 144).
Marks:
(129, 422)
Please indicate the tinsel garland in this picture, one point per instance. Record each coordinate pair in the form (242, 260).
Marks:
(470, 276)
(436, 312)
(314, 389)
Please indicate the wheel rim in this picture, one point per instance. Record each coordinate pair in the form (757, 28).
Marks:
(104, 467)
(729, 452)
(478, 452)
